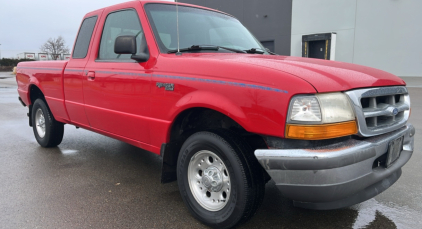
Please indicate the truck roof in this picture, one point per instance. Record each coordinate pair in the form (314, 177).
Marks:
(143, 2)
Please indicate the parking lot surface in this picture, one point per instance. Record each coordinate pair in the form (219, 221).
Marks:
(92, 181)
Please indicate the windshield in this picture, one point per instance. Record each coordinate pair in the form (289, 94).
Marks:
(198, 27)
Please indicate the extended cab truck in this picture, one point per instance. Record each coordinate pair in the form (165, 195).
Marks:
(193, 85)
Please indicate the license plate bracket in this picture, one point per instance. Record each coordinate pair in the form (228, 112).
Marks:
(394, 149)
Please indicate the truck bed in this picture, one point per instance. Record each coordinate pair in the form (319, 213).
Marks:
(48, 76)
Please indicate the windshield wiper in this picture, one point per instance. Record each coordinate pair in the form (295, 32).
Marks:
(194, 48)
(231, 49)
(255, 51)
(206, 47)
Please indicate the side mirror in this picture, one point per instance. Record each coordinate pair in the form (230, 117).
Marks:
(127, 45)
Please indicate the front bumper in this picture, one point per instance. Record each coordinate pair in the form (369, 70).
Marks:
(338, 175)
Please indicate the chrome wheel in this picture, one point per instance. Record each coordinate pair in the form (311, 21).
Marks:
(40, 122)
(209, 180)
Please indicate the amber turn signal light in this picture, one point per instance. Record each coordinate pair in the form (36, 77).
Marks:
(323, 131)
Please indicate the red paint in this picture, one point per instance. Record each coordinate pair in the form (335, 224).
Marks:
(115, 100)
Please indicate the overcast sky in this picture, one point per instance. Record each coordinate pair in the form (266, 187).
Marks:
(26, 24)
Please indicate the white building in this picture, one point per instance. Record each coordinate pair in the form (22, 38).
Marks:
(26, 55)
(383, 34)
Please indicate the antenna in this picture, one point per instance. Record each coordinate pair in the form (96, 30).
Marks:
(177, 28)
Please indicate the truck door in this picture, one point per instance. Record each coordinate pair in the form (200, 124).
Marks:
(117, 88)
(73, 75)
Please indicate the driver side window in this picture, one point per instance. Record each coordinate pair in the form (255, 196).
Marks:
(121, 23)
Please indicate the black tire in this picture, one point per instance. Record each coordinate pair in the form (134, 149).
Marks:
(246, 178)
(53, 129)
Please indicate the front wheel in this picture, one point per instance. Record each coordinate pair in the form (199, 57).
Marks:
(219, 179)
(47, 130)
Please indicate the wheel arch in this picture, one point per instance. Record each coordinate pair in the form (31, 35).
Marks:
(192, 120)
(212, 101)
(35, 93)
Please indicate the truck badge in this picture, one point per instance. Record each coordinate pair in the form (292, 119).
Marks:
(167, 86)
(395, 111)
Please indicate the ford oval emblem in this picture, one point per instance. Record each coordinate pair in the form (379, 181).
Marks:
(395, 111)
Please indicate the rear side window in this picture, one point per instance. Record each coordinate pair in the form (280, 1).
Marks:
(84, 37)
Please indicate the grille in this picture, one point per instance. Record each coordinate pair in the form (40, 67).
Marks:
(380, 110)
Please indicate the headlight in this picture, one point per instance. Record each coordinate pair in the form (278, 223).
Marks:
(320, 116)
(305, 109)
(321, 108)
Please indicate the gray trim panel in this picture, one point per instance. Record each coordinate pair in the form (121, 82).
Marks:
(356, 198)
(333, 156)
(338, 175)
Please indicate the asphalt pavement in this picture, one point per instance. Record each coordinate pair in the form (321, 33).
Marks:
(92, 181)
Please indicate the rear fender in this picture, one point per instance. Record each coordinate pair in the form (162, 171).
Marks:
(25, 81)
(34, 83)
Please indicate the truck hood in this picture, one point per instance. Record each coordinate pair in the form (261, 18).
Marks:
(323, 75)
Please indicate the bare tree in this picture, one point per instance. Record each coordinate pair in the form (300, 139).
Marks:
(55, 47)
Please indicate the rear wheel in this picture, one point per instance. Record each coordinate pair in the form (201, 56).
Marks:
(47, 130)
(219, 179)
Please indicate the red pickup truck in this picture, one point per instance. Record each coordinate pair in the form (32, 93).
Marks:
(193, 85)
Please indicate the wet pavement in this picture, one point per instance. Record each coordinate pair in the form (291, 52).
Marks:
(92, 181)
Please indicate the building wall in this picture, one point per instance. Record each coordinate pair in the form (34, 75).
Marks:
(383, 34)
(269, 20)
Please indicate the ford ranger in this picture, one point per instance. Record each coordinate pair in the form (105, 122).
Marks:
(193, 85)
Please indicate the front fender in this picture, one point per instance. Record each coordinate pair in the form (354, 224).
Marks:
(211, 100)
(255, 110)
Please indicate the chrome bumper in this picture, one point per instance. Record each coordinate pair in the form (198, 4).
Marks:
(338, 175)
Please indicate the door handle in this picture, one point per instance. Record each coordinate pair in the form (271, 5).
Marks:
(91, 75)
